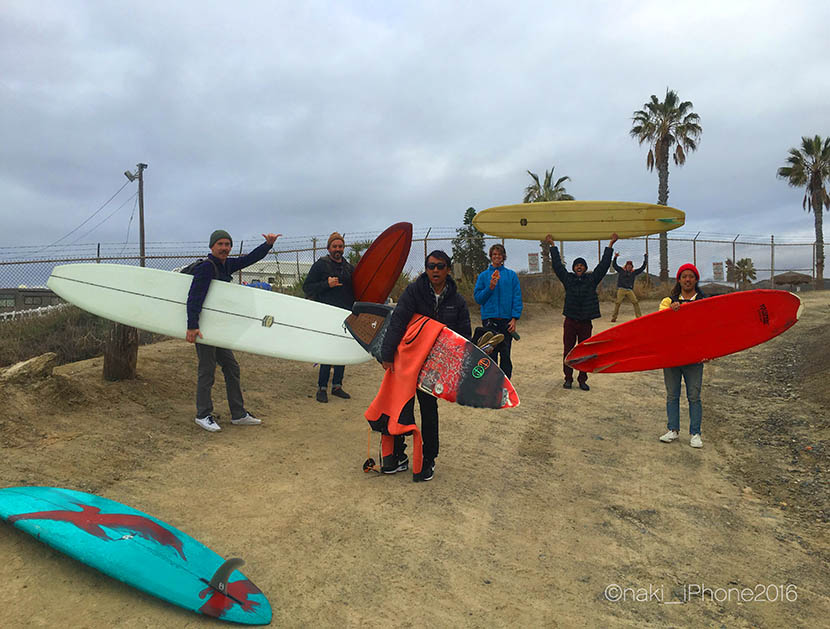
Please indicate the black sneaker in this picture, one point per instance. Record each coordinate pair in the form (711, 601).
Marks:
(394, 463)
(427, 472)
(339, 392)
(584, 386)
(321, 395)
(568, 384)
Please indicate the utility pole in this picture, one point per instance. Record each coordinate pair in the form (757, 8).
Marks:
(121, 349)
(139, 174)
(141, 168)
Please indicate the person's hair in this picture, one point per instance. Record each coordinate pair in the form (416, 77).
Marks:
(441, 255)
(498, 247)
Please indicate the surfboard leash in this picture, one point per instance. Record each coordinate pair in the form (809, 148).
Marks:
(369, 465)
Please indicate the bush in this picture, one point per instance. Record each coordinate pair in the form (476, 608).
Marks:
(71, 333)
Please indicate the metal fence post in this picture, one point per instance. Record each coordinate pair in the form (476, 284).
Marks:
(240, 253)
(734, 261)
(772, 261)
(694, 249)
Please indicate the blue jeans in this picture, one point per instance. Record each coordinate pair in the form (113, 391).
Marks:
(323, 377)
(693, 375)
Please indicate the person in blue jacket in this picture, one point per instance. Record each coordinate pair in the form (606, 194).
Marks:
(499, 294)
(218, 266)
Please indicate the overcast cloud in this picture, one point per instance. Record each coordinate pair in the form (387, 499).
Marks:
(306, 117)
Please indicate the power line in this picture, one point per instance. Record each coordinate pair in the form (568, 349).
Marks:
(109, 216)
(87, 220)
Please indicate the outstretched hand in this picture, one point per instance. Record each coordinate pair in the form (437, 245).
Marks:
(614, 238)
(271, 238)
(549, 240)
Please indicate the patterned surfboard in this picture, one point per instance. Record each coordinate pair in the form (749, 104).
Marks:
(454, 370)
(138, 549)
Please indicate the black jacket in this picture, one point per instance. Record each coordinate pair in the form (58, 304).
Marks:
(316, 285)
(581, 301)
(212, 268)
(625, 279)
(418, 298)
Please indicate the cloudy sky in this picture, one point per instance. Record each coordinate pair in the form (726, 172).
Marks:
(304, 117)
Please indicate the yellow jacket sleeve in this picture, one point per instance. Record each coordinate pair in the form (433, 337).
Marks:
(666, 303)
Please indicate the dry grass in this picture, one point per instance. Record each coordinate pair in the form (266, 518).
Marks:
(70, 332)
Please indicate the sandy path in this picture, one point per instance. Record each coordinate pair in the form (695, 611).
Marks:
(532, 514)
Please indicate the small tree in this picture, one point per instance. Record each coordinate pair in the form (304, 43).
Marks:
(468, 247)
(356, 250)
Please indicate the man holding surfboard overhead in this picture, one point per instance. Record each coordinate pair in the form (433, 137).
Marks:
(625, 284)
(499, 294)
(218, 265)
(581, 301)
(329, 281)
(685, 290)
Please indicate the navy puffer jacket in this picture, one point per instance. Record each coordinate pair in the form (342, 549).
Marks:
(581, 301)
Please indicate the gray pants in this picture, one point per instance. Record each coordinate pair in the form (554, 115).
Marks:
(209, 356)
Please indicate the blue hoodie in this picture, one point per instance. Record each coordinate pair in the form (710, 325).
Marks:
(505, 300)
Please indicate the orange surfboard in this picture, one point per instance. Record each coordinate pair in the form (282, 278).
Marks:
(380, 267)
(700, 330)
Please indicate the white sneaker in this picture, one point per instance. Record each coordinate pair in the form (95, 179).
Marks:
(248, 420)
(208, 423)
(670, 436)
(695, 441)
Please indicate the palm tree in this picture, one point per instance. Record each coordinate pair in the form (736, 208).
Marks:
(810, 166)
(538, 192)
(667, 127)
(744, 272)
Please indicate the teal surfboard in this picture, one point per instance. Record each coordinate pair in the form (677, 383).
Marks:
(138, 549)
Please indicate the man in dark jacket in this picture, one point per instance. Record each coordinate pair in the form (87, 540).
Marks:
(581, 301)
(220, 267)
(625, 284)
(435, 295)
(330, 281)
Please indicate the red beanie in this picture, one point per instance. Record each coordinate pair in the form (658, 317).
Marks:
(688, 267)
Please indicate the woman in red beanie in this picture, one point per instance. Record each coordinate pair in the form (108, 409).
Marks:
(685, 290)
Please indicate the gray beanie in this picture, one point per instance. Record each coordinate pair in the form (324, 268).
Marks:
(579, 261)
(218, 235)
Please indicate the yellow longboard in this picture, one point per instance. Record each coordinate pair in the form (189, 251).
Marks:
(577, 220)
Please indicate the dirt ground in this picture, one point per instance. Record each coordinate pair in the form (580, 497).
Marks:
(564, 512)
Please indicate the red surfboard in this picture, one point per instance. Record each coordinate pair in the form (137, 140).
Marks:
(380, 267)
(700, 330)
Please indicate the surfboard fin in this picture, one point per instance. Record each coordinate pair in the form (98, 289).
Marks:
(219, 580)
(575, 361)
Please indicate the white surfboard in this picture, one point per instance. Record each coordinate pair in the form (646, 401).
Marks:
(233, 316)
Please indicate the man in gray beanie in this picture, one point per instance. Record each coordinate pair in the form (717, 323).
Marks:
(218, 266)
(329, 281)
(581, 302)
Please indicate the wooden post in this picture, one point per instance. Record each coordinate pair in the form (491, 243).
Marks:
(121, 353)
(772, 261)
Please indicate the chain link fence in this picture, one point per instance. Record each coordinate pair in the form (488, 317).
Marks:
(286, 266)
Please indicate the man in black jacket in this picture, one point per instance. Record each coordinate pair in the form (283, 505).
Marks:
(435, 295)
(329, 281)
(625, 284)
(581, 301)
(220, 267)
